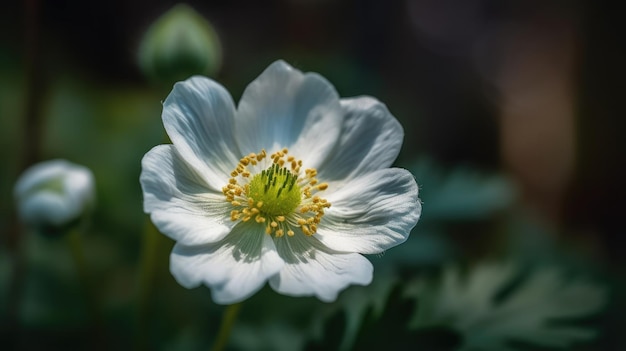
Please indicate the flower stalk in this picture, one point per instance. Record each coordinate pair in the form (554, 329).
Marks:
(147, 272)
(74, 241)
(226, 326)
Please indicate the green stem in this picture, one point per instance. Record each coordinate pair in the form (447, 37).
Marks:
(32, 132)
(147, 272)
(228, 320)
(16, 280)
(75, 242)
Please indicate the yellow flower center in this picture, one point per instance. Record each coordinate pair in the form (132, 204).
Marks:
(281, 197)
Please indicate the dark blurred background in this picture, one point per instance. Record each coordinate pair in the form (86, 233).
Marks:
(531, 89)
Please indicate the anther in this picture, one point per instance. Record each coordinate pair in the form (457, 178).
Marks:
(234, 215)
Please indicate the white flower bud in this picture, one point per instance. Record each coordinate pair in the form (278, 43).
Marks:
(54, 193)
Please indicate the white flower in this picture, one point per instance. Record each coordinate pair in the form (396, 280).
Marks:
(54, 193)
(290, 187)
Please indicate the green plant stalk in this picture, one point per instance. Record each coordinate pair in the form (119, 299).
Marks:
(32, 132)
(74, 239)
(228, 320)
(147, 271)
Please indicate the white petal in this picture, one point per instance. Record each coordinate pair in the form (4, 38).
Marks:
(198, 116)
(234, 268)
(312, 269)
(370, 139)
(39, 174)
(178, 200)
(285, 108)
(48, 208)
(371, 213)
(79, 185)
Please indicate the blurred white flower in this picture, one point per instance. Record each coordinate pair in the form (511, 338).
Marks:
(54, 193)
(290, 187)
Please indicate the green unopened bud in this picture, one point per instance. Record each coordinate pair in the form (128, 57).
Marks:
(179, 44)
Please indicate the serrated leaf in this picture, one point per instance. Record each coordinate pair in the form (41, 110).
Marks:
(494, 305)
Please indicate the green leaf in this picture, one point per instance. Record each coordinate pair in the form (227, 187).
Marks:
(494, 304)
(463, 193)
(334, 330)
(386, 328)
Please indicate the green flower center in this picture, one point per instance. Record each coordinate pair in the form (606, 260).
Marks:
(276, 188)
(280, 197)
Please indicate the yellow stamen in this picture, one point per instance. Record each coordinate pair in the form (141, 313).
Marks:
(281, 196)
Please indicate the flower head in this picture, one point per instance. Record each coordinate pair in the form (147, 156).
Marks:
(290, 187)
(54, 193)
